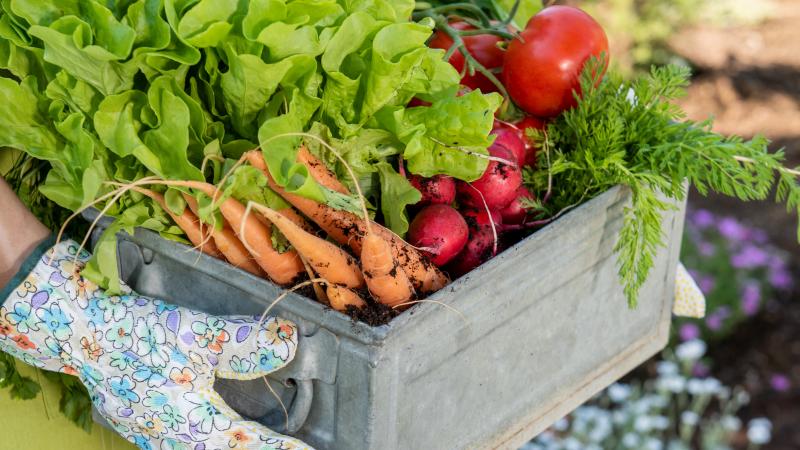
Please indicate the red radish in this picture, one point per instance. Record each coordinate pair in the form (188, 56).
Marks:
(441, 229)
(498, 184)
(439, 189)
(515, 212)
(479, 248)
(509, 139)
(479, 218)
(417, 102)
(530, 149)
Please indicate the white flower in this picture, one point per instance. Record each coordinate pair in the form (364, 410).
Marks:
(659, 422)
(742, 398)
(561, 424)
(657, 401)
(695, 386)
(631, 97)
(691, 350)
(546, 436)
(712, 385)
(643, 424)
(602, 429)
(666, 368)
(630, 440)
(707, 386)
(672, 383)
(653, 444)
(731, 423)
(759, 431)
(618, 392)
(571, 443)
(690, 418)
(724, 393)
(642, 406)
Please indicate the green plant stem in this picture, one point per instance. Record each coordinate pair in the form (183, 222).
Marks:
(458, 42)
(492, 31)
(440, 10)
(753, 161)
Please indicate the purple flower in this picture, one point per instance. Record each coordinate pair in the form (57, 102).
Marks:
(776, 262)
(780, 382)
(715, 320)
(781, 279)
(689, 331)
(759, 236)
(703, 218)
(706, 248)
(706, 284)
(750, 257)
(751, 298)
(732, 229)
(700, 370)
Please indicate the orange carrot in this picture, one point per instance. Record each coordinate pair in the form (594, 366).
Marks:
(329, 261)
(282, 268)
(319, 171)
(187, 222)
(347, 228)
(386, 280)
(340, 297)
(322, 297)
(291, 214)
(228, 244)
(235, 252)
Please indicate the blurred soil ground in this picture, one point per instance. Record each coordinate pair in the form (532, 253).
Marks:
(747, 78)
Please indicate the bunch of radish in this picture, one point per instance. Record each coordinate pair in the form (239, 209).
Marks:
(459, 224)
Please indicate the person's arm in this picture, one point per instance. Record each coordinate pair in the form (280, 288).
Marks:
(20, 233)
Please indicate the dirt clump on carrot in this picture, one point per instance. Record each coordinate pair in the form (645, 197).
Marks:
(373, 313)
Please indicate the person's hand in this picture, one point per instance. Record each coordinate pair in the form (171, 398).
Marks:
(148, 365)
(20, 232)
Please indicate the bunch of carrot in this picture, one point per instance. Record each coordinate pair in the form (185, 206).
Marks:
(379, 262)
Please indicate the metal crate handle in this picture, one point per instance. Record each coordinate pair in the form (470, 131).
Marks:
(300, 407)
(316, 359)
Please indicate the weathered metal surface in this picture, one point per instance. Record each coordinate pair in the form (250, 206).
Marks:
(543, 327)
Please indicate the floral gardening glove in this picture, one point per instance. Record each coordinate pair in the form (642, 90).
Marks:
(148, 365)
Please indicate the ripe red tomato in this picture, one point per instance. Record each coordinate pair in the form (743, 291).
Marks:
(530, 149)
(482, 47)
(542, 66)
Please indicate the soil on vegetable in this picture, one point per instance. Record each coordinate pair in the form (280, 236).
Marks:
(373, 314)
(748, 78)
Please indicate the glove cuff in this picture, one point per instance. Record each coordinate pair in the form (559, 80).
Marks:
(27, 266)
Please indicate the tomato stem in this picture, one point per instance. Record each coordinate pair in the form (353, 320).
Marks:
(493, 31)
(511, 13)
(458, 43)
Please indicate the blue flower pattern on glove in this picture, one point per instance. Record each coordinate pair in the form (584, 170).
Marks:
(149, 366)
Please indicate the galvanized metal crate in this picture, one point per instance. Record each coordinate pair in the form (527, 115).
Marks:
(545, 326)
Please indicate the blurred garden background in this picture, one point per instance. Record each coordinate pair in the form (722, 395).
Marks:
(731, 380)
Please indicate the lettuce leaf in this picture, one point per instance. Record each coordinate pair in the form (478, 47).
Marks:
(445, 137)
(396, 194)
(116, 91)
